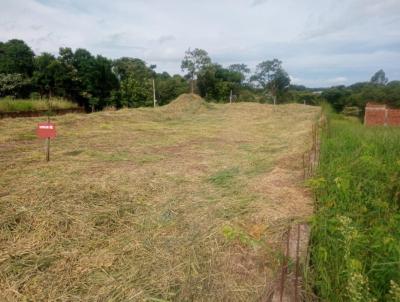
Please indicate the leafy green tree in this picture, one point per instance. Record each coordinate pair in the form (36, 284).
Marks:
(68, 77)
(272, 77)
(379, 78)
(16, 57)
(337, 97)
(298, 87)
(95, 79)
(194, 61)
(303, 96)
(216, 82)
(242, 69)
(135, 93)
(135, 79)
(45, 76)
(84, 63)
(104, 82)
(169, 87)
(127, 67)
(393, 93)
(279, 84)
(14, 84)
(359, 94)
(16, 66)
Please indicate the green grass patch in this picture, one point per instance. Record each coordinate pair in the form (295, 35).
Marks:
(355, 252)
(232, 234)
(224, 178)
(26, 136)
(19, 105)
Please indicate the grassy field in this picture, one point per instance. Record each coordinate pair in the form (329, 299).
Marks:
(186, 202)
(356, 231)
(17, 105)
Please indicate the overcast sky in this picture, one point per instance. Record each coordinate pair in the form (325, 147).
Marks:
(321, 43)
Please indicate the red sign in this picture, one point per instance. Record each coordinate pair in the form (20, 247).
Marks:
(46, 130)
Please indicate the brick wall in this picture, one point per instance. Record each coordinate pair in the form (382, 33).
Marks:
(380, 115)
(393, 117)
(375, 114)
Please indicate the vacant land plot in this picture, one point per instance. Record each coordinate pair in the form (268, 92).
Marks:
(184, 202)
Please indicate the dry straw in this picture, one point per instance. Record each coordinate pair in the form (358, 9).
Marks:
(183, 202)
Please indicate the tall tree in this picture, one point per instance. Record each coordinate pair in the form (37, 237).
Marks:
(95, 78)
(14, 84)
(45, 74)
(16, 57)
(272, 77)
(69, 76)
(135, 79)
(103, 83)
(135, 93)
(337, 97)
(169, 87)
(127, 67)
(193, 62)
(216, 82)
(242, 69)
(379, 78)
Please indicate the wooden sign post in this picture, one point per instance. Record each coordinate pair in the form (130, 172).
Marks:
(46, 131)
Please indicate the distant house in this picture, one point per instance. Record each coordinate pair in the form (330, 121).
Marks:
(381, 115)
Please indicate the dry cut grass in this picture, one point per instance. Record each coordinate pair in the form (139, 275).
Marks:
(181, 203)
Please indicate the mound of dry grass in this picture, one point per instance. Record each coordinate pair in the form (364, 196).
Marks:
(137, 206)
(185, 104)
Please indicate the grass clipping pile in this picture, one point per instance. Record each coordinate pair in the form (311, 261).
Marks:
(186, 104)
(137, 205)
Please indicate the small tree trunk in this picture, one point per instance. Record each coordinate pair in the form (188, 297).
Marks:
(274, 97)
(192, 85)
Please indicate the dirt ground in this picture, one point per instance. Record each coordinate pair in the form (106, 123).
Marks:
(186, 202)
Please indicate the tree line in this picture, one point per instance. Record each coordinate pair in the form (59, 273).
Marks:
(94, 81)
(378, 90)
(91, 81)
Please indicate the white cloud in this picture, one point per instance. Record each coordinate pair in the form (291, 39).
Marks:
(337, 81)
(258, 2)
(295, 80)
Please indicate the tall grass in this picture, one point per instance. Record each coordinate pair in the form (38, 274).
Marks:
(355, 253)
(18, 105)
